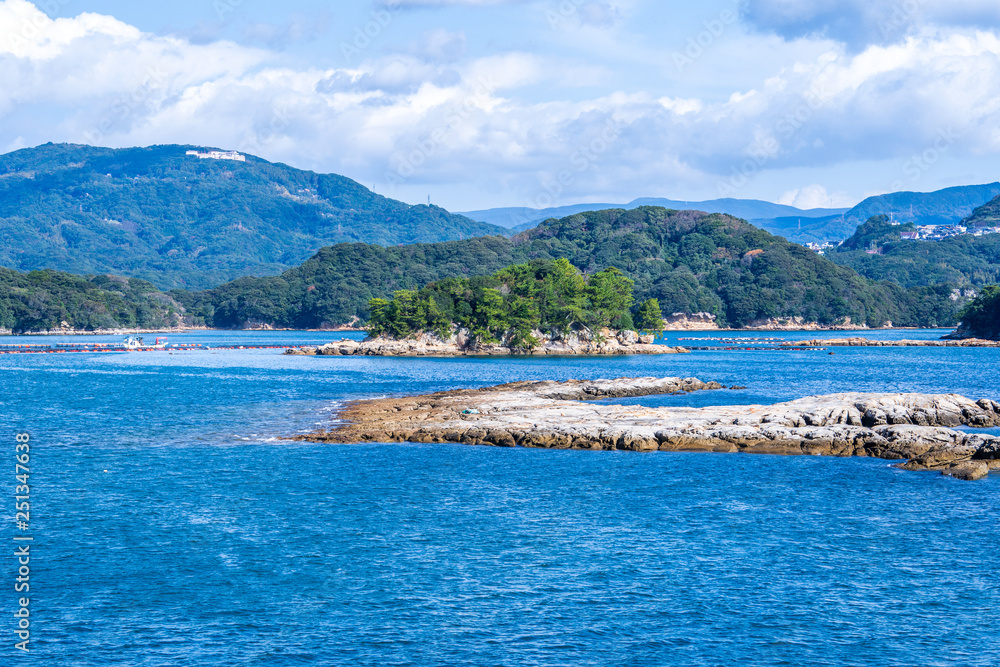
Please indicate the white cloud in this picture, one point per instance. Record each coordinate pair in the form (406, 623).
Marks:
(815, 196)
(17, 144)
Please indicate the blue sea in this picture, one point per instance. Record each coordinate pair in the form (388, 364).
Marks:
(174, 524)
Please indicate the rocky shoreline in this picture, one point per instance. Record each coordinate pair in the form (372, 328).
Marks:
(708, 322)
(461, 345)
(916, 429)
(868, 342)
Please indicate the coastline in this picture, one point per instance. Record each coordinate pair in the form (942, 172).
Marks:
(915, 429)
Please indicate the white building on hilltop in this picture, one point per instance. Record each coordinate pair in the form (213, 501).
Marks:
(219, 155)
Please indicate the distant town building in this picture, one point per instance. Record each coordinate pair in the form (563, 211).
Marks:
(219, 155)
(821, 248)
(942, 232)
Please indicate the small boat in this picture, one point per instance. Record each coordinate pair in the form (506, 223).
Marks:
(138, 343)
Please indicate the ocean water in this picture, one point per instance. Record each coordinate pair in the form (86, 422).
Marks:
(173, 524)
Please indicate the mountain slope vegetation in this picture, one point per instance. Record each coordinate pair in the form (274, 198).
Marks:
(959, 261)
(987, 215)
(180, 221)
(689, 261)
(48, 300)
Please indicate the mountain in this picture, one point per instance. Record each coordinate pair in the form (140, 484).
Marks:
(523, 218)
(959, 261)
(520, 219)
(741, 208)
(179, 221)
(800, 229)
(944, 207)
(691, 261)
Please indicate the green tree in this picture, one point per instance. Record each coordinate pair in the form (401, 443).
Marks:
(380, 321)
(523, 321)
(609, 294)
(649, 317)
(432, 318)
(490, 318)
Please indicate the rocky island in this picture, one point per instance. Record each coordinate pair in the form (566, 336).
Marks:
(461, 343)
(542, 307)
(916, 429)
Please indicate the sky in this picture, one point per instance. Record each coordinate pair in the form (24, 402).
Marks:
(486, 103)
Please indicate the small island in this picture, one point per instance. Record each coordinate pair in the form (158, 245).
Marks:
(545, 307)
(916, 429)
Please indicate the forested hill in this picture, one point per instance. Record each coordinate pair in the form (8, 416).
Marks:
(50, 300)
(180, 221)
(961, 261)
(987, 215)
(690, 261)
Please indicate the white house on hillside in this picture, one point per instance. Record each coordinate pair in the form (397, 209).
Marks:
(219, 155)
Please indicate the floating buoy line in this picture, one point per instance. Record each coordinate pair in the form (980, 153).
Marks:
(130, 344)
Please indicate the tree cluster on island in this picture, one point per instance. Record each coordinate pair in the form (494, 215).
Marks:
(550, 297)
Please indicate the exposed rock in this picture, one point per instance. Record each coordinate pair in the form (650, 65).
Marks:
(708, 322)
(867, 342)
(801, 324)
(460, 343)
(910, 427)
(693, 322)
(969, 470)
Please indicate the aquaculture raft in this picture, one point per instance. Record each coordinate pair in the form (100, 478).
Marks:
(749, 345)
(130, 344)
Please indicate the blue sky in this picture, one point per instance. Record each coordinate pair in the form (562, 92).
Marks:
(482, 103)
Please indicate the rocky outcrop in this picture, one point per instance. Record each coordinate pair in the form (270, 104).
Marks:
(914, 428)
(867, 342)
(964, 333)
(692, 322)
(801, 324)
(461, 344)
(708, 322)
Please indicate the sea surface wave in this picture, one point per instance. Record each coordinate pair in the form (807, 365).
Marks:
(175, 525)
